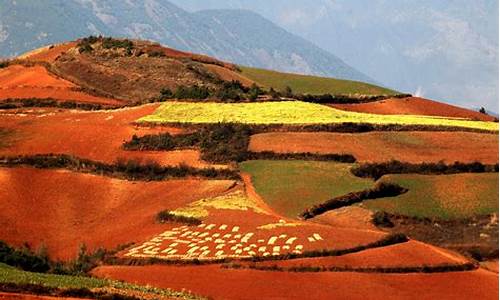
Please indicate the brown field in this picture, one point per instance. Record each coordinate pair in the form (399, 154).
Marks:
(62, 209)
(414, 106)
(218, 283)
(410, 254)
(229, 75)
(94, 135)
(347, 217)
(20, 82)
(414, 147)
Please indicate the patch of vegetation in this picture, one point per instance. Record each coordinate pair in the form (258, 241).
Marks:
(440, 197)
(4, 64)
(166, 216)
(14, 280)
(163, 141)
(24, 258)
(345, 99)
(233, 201)
(227, 91)
(380, 190)
(222, 143)
(85, 45)
(439, 268)
(290, 113)
(291, 187)
(475, 237)
(49, 102)
(312, 85)
(377, 170)
(126, 169)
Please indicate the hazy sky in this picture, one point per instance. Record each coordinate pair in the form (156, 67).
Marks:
(442, 49)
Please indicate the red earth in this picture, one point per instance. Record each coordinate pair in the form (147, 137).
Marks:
(218, 283)
(62, 209)
(414, 106)
(15, 296)
(48, 53)
(20, 82)
(96, 135)
(412, 146)
(409, 254)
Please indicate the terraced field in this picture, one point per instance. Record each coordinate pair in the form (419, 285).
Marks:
(290, 187)
(289, 112)
(441, 196)
(311, 84)
(411, 146)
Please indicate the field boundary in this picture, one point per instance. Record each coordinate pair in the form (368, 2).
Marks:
(439, 268)
(127, 170)
(377, 170)
(380, 190)
(345, 127)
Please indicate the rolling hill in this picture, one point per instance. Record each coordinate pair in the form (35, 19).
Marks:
(239, 36)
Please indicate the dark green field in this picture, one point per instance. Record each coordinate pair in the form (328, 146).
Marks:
(290, 187)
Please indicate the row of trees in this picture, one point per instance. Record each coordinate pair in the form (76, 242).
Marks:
(229, 91)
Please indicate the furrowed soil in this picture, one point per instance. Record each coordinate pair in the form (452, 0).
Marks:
(413, 146)
(20, 82)
(62, 209)
(96, 135)
(218, 283)
(414, 106)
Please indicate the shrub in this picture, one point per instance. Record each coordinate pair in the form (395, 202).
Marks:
(165, 216)
(377, 170)
(382, 219)
(24, 258)
(380, 190)
(191, 92)
(4, 64)
(128, 169)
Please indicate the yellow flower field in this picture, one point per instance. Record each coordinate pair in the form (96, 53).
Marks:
(290, 112)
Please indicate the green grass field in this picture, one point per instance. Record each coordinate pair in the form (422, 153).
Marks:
(289, 112)
(441, 196)
(290, 187)
(313, 85)
(10, 274)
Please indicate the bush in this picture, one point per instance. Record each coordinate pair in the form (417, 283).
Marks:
(24, 258)
(127, 169)
(166, 216)
(380, 190)
(191, 92)
(377, 170)
(382, 219)
(4, 64)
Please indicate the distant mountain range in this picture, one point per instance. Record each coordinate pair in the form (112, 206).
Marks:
(238, 36)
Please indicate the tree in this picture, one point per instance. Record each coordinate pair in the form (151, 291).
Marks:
(288, 92)
(273, 93)
(482, 110)
(254, 92)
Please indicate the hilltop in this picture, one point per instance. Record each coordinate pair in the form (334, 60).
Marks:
(239, 36)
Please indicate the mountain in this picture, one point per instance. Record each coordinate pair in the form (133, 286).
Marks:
(444, 50)
(239, 36)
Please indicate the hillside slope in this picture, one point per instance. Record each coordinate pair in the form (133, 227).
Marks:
(255, 41)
